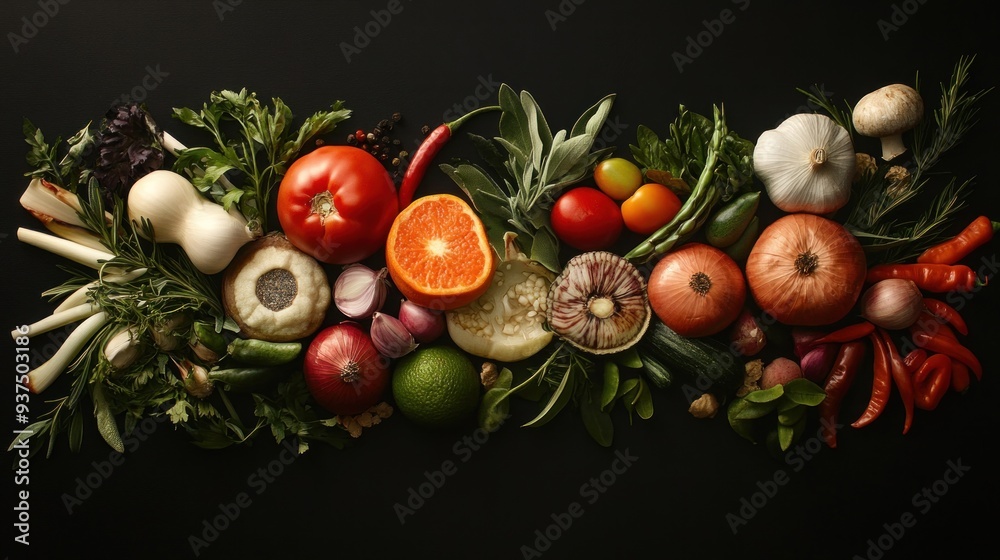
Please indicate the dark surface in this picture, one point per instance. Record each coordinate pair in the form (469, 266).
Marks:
(688, 475)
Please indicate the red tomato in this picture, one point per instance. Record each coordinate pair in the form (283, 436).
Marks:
(651, 207)
(586, 219)
(337, 204)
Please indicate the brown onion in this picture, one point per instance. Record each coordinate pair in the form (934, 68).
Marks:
(806, 270)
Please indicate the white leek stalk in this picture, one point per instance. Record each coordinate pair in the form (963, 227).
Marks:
(44, 375)
(64, 248)
(80, 296)
(43, 198)
(58, 319)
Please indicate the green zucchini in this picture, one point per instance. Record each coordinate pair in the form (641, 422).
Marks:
(655, 371)
(706, 362)
(728, 223)
(255, 352)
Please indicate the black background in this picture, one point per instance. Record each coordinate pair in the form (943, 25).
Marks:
(674, 499)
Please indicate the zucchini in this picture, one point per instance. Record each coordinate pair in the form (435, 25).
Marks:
(727, 224)
(706, 362)
(655, 371)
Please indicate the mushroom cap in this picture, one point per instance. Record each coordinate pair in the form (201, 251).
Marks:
(889, 110)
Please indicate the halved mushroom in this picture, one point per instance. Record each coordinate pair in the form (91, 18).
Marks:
(887, 113)
(598, 303)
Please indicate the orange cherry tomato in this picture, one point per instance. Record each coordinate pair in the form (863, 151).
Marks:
(650, 208)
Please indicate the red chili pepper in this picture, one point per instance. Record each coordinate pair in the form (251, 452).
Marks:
(914, 360)
(975, 235)
(846, 334)
(945, 312)
(881, 384)
(960, 379)
(899, 374)
(943, 344)
(932, 381)
(424, 155)
(938, 278)
(845, 368)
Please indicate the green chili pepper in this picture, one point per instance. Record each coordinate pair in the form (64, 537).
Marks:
(246, 379)
(255, 352)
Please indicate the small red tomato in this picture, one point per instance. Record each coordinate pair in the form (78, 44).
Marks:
(650, 208)
(337, 204)
(586, 219)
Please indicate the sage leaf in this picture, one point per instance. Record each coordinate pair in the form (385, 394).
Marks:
(592, 120)
(105, 419)
(786, 436)
(513, 121)
(791, 416)
(804, 392)
(749, 410)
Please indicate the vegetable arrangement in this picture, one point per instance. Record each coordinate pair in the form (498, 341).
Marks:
(192, 305)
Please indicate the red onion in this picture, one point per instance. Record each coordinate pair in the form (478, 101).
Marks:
(425, 324)
(343, 371)
(802, 340)
(746, 336)
(818, 362)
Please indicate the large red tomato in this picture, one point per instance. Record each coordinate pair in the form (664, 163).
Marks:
(586, 219)
(337, 204)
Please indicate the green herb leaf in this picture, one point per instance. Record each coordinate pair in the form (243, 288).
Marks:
(556, 403)
(749, 410)
(644, 403)
(597, 421)
(786, 436)
(804, 392)
(792, 415)
(765, 395)
(609, 389)
(106, 424)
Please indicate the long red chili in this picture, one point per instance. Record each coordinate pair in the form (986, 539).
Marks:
(945, 312)
(914, 360)
(424, 155)
(960, 378)
(938, 278)
(900, 376)
(975, 235)
(845, 367)
(932, 381)
(943, 344)
(846, 334)
(881, 384)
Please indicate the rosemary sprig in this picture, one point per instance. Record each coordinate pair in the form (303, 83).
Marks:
(892, 190)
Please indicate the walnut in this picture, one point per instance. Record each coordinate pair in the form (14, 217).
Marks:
(488, 375)
(864, 166)
(373, 416)
(754, 369)
(704, 406)
(899, 180)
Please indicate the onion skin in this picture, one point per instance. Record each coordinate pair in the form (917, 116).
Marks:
(681, 306)
(833, 278)
(343, 370)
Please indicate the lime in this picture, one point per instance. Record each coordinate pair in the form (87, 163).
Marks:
(436, 386)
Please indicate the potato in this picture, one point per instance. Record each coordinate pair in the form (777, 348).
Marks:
(779, 372)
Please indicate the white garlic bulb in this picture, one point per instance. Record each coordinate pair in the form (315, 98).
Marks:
(806, 164)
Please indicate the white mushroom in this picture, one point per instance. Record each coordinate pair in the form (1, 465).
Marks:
(887, 113)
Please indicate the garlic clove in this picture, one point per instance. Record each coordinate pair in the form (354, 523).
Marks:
(390, 336)
(360, 291)
(425, 324)
(195, 378)
(124, 348)
(892, 304)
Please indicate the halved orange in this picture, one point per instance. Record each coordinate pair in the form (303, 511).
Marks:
(438, 254)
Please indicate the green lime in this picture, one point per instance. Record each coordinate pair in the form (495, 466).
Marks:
(436, 386)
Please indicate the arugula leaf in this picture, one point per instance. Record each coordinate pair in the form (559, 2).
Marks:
(257, 157)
